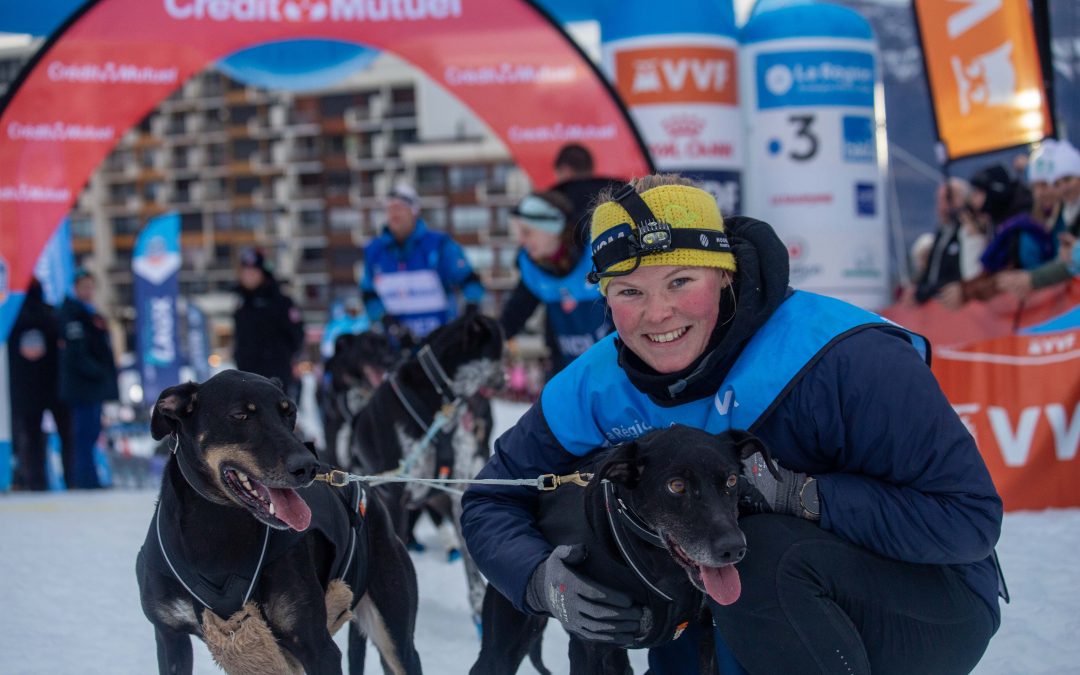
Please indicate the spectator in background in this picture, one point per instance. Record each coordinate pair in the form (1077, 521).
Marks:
(1065, 178)
(576, 180)
(348, 318)
(412, 274)
(33, 361)
(553, 269)
(268, 327)
(957, 244)
(87, 376)
(995, 197)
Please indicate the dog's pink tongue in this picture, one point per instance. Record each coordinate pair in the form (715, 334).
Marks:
(290, 508)
(722, 583)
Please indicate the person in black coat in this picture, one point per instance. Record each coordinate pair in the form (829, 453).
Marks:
(33, 361)
(269, 332)
(87, 376)
(575, 180)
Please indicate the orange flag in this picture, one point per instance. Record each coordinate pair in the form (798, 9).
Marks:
(984, 74)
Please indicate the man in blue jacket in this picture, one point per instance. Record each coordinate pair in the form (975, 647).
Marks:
(877, 555)
(412, 274)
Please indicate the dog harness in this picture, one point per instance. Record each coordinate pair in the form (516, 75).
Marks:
(336, 513)
(443, 421)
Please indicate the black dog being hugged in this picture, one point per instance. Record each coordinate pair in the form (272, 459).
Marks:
(247, 553)
(429, 419)
(660, 524)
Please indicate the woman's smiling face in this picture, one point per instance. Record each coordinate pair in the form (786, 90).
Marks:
(665, 314)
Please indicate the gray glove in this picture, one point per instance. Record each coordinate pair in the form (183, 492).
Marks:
(584, 607)
(788, 492)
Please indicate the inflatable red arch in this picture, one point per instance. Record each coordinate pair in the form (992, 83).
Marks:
(115, 60)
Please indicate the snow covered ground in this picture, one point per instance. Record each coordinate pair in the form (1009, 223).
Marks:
(69, 602)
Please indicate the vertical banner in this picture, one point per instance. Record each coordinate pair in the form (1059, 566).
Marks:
(197, 342)
(809, 76)
(55, 268)
(674, 65)
(984, 74)
(156, 264)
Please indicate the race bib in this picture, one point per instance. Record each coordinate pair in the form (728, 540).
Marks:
(411, 292)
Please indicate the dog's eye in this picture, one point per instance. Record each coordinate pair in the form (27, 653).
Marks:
(239, 416)
(676, 486)
(732, 481)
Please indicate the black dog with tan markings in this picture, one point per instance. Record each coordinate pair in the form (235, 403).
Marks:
(248, 553)
(659, 522)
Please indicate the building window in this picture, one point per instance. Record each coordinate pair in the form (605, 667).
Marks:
(430, 179)
(467, 177)
(248, 219)
(344, 219)
(125, 225)
(191, 222)
(470, 218)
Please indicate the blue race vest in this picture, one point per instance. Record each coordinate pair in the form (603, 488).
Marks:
(593, 404)
(576, 311)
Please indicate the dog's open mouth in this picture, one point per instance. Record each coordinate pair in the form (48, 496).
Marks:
(722, 583)
(275, 506)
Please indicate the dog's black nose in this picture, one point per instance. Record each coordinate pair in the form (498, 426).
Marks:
(302, 467)
(733, 555)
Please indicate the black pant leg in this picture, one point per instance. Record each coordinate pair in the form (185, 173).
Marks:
(61, 413)
(28, 444)
(814, 603)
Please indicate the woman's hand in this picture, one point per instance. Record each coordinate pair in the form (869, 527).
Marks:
(581, 605)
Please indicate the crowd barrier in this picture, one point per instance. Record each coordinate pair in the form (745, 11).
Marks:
(1015, 386)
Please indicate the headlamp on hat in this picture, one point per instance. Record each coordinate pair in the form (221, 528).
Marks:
(647, 235)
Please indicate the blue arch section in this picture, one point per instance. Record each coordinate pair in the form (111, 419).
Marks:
(297, 65)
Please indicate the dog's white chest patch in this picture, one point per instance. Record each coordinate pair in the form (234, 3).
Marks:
(177, 613)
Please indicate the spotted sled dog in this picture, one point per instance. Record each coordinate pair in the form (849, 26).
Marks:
(429, 419)
(247, 553)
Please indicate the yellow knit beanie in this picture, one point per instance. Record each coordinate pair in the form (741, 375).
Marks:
(680, 206)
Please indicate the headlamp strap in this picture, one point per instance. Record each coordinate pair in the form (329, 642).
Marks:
(640, 213)
(628, 248)
(648, 235)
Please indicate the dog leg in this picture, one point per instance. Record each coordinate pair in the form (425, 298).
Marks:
(173, 651)
(507, 636)
(475, 580)
(387, 612)
(357, 649)
(594, 658)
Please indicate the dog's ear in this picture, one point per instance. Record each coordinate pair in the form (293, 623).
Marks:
(747, 444)
(278, 383)
(623, 466)
(174, 404)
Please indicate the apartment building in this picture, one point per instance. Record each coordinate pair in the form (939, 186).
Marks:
(301, 175)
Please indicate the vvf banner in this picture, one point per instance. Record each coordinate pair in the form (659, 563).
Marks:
(1019, 396)
(984, 74)
(156, 263)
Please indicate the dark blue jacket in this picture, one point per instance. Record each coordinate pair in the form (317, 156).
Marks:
(414, 281)
(898, 473)
(87, 366)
